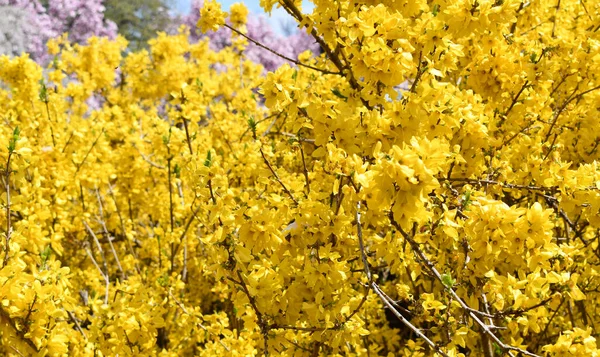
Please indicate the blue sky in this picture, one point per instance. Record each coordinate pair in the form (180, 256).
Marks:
(277, 16)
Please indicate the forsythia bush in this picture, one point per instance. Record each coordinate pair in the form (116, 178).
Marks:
(201, 208)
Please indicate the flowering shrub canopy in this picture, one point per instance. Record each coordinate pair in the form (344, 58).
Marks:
(459, 217)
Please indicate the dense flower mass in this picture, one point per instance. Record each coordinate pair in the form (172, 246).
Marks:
(201, 207)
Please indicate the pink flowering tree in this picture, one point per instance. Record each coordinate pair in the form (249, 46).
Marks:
(261, 31)
(39, 22)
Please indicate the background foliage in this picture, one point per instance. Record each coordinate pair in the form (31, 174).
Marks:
(139, 20)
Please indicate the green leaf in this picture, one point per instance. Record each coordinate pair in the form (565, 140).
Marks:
(532, 57)
(208, 160)
(252, 124)
(43, 93)
(466, 199)
(436, 9)
(338, 94)
(44, 255)
(12, 144)
(497, 349)
(448, 281)
(163, 280)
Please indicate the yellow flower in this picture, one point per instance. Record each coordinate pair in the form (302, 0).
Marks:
(238, 14)
(430, 303)
(211, 16)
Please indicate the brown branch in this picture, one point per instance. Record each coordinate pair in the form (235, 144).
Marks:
(50, 122)
(384, 298)
(103, 224)
(554, 18)
(525, 129)
(559, 111)
(492, 182)
(185, 311)
(171, 214)
(89, 151)
(68, 142)
(212, 197)
(361, 244)
(304, 140)
(514, 101)
(74, 319)
(285, 189)
(291, 8)
(471, 312)
(17, 351)
(511, 312)
(258, 122)
(124, 231)
(152, 163)
(298, 63)
(262, 323)
(543, 334)
(389, 305)
(105, 272)
(187, 135)
(8, 213)
(19, 333)
(185, 230)
(413, 87)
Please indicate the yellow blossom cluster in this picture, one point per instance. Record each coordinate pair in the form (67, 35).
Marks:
(426, 186)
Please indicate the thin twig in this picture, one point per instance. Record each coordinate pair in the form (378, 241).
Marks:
(21, 334)
(304, 140)
(262, 323)
(185, 311)
(298, 63)
(17, 351)
(564, 106)
(89, 151)
(50, 122)
(103, 224)
(123, 230)
(554, 18)
(152, 163)
(187, 135)
(185, 230)
(258, 122)
(68, 142)
(8, 213)
(304, 169)
(413, 87)
(389, 305)
(383, 297)
(285, 189)
(74, 319)
(361, 243)
(514, 101)
(344, 70)
(471, 312)
(105, 272)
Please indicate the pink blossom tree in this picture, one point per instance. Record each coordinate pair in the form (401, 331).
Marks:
(261, 31)
(80, 18)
